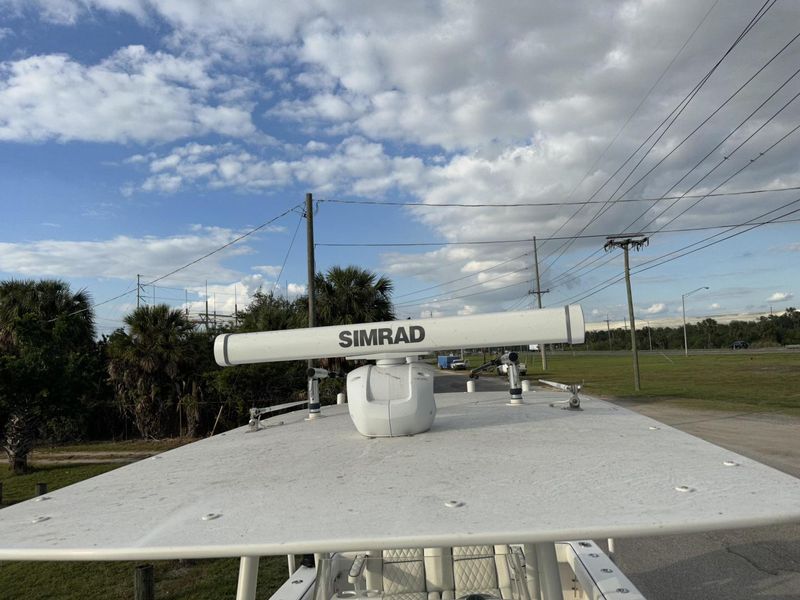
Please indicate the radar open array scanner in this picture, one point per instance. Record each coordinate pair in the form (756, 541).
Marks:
(395, 396)
(458, 495)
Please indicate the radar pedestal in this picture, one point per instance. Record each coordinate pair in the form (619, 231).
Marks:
(391, 398)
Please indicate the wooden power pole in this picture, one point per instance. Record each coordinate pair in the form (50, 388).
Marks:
(539, 293)
(625, 243)
(309, 214)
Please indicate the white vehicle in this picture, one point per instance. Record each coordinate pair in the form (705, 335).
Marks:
(494, 499)
(459, 364)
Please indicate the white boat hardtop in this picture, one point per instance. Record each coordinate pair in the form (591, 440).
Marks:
(486, 472)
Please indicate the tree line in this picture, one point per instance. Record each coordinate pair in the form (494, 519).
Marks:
(764, 332)
(156, 376)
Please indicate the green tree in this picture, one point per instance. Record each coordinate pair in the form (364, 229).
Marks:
(150, 366)
(246, 386)
(351, 294)
(46, 339)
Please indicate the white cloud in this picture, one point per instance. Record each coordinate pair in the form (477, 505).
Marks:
(122, 257)
(780, 297)
(355, 166)
(446, 102)
(715, 306)
(268, 270)
(314, 146)
(655, 309)
(134, 95)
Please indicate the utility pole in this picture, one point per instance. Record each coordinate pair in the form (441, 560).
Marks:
(138, 290)
(312, 320)
(625, 243)
(235, 308)
(206, 304)
(608, 328)
(539, 293)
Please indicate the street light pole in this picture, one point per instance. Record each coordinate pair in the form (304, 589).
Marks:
(683, 307)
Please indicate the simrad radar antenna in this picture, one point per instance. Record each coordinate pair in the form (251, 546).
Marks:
(394, 397)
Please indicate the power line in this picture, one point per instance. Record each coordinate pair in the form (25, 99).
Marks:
(673, 116)
(564, 203)
(517, 240)
(221, 248)
(465, 276)
(679, 253)
(725, 158)
(727, 137)
(189, 264)
(418, 300)
(472, 294)
(285, 258)
(630, 117)
(746, 165)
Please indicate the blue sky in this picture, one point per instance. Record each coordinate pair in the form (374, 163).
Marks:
(139, 135)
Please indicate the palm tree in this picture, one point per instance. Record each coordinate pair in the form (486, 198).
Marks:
(46, 332)
(351, 294)
(148, 365)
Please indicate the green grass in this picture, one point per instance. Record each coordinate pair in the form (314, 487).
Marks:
(121, 446)
(17, 488)
(196, 580)
(741, 381)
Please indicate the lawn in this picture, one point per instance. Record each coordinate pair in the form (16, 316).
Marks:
(195, 580)
(17, 488)
(735, 381)
(116, 446)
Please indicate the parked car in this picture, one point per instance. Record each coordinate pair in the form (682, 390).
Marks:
(740, 345)
(459, 364)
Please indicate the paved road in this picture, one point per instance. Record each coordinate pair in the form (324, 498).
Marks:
(746, 564)
(446, 381)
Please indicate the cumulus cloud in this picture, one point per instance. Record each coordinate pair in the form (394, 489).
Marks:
(447, 103)
(355, 165)
(780, 297)
(122, 257)
(655, 309)
(134, 95)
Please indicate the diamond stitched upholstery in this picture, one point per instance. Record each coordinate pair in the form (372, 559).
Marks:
(404, 574)
(475, 571)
